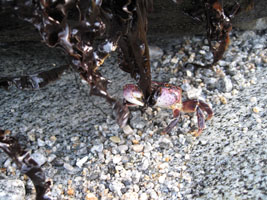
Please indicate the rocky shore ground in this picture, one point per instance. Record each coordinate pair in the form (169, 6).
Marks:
(87, 156)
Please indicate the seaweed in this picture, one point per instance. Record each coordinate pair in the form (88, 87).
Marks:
(88, 31)
(34, 81)
(25, 163)
(218, 25)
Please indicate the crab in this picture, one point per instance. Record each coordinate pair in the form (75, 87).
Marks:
(168, 96)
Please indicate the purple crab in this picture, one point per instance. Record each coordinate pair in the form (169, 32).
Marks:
(168, 96)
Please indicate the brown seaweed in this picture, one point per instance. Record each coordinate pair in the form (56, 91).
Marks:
(25, 163)
(89, 30)
(218, 25)
(35, 81)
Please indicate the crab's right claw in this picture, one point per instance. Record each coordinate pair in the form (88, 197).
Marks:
(121, 113)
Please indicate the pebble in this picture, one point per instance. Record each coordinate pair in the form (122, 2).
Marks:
(40, 142)
(122, 148)
(32, 136)
(152, 170)
(174, 60)
(97, 148)
(80, 162)
(224, 84)
(145, 164)
(51, 157)
(194, 93)
(155, 52)
(68, 167)
(39, 158)
(12, 189)
(127, 130)
(116, 159)
(162, 178)
(223, 99)
(138, 147)
(90, 196)
(143, 196)
(253, 100)
(256, 109)
(115, 139)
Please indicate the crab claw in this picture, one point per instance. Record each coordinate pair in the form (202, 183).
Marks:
(121, 113)
(198, 106)
(133, 95)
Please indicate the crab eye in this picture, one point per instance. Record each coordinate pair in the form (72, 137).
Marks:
(154, 96)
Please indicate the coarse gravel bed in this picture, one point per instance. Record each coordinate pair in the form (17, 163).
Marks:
(87, 156)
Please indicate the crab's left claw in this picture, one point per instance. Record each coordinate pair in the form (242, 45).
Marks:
(198, 106)
(121, 113)
(133, 95)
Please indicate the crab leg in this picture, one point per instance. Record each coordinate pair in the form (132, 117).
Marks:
(198, 106)
(205, 107)
(176, 115)
(200, 121)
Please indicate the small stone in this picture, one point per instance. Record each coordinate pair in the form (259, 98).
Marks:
(51, 158)
(39, 158)
(224, 84)
(127, 130)
(80, 162)
(223, 99)
(145, 164)
(70, 191)
(68, 167)
(40, 142)
(12, 190)
(115, 139)
(234, 92)
(189, 73)
(53, 138)
(138, 147)
(194, 93)
(202, 52)
(97, 148)
(130, 196)
(31, 136)
(174, 60)
(253, 99)
(245, 129)
(116, 159)
(186, 86)
(155, 52)
(149, 111)
(143, 196)
(153, 194)
(123, 148)
(187, 157)
(90, 196)
(256, 109)
(135, 141)
(162, 178)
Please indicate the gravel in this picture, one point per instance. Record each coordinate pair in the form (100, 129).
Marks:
(87, 156)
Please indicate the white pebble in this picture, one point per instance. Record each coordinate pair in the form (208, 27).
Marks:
(162, 178)
(80, 162)
(97, 148)
(138, 147)
(127, 130)
(116, 159)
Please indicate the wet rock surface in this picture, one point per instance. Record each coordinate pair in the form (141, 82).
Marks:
(86, 154)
